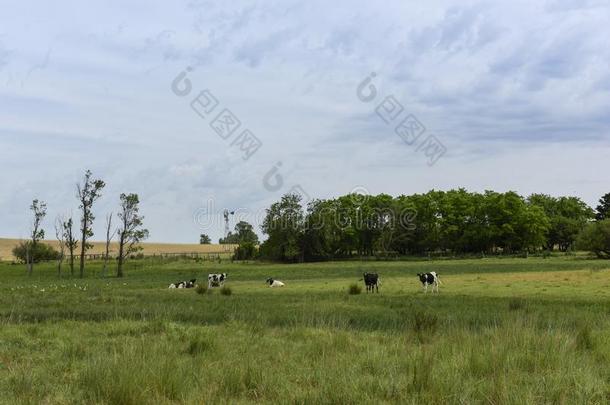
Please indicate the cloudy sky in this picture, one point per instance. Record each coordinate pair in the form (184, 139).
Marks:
(512, 95)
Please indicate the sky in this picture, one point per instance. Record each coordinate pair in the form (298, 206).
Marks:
(199, 106)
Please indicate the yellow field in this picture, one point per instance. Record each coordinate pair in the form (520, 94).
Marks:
(7, 245)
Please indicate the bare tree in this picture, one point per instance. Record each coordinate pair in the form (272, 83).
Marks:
(109, 236)
(71, 242)
(131, 232)
(61, 239)
(87, 194)
(39, 208)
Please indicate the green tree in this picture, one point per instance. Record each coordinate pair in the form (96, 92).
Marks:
(316, 235)
(595, 237)
(603, 209)
(130, 232)
(284, 225)
(88, 192)
(71, 241)
(39, 209)
(567, 217)
(243, 232)
(204, 239)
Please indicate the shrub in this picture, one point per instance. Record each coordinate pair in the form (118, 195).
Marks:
(39, 252)
(226, 290)
(201, 289)
(354, 289)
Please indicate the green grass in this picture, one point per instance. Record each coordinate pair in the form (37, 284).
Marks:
(500, 331)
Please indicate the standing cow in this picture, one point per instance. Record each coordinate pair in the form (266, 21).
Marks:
(430, 278)
(371, 281)
(216, 280)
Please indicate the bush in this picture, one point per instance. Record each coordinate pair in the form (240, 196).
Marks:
(245, 251)
(39, 252)
(201, 289)
(226, 290)
(354, 289)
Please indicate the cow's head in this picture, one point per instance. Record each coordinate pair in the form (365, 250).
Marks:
(270, 281)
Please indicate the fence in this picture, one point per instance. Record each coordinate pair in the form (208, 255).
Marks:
(180, 255)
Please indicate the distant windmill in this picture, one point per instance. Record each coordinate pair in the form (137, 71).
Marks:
(226, 215)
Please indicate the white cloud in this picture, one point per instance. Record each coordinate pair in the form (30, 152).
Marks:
(517, 92)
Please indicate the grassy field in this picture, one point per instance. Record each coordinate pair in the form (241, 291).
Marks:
(7, 245)
(501, 331)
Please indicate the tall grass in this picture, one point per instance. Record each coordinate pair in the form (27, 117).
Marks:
(133, 341)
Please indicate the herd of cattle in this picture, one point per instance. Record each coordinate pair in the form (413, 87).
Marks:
(371, 281)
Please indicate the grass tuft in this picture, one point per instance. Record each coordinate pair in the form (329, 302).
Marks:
(226, 290)
(201, 289)
(354, 289)
(516, 304)
(584, 339)
(421, 380)
(424, 325)
(199, 345)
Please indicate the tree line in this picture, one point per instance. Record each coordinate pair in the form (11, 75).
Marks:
(129, 232)
(451, 222)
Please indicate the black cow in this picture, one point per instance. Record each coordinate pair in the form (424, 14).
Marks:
(371, 281)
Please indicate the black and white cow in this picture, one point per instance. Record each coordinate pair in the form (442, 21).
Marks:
(184, 284)
(216, 280)
(429, 279)
(371, 281)
(274, 283)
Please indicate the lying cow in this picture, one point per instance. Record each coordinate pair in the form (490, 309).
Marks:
(274, 283)
(429, 279)
(371, 281)
(184, 284)
(216, 280)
